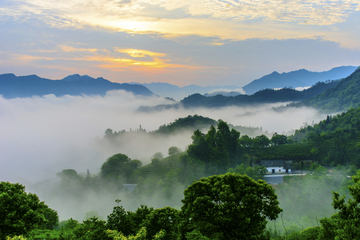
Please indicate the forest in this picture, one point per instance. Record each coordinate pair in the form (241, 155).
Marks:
(202, 192)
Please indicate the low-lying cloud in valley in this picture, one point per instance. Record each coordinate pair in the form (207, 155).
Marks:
(43, 135)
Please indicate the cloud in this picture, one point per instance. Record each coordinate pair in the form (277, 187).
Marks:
(225, 90)
(139, 53)
(302, 88)
(229, 19)
(41, 136)
(114, 63)
(44, 135)
(72, 49)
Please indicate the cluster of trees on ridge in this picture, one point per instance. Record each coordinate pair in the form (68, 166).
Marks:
(189, 123)
(333, 141)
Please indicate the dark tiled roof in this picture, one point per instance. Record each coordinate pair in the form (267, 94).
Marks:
(272, 163)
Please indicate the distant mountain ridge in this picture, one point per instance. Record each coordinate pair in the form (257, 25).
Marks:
(260, 97)
(299, 78)
(343, 96)
(12, 86)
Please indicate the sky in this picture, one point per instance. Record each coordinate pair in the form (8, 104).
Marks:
(202, 42)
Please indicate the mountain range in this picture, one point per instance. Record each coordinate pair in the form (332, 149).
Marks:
(299, 78)
(330, 97)
(12, 86)
(260, 97)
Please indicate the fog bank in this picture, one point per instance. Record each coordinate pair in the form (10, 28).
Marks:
(44, 135)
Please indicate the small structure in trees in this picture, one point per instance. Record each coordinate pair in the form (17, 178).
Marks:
(276, 166)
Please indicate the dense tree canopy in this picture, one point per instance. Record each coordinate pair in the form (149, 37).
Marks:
(21, 212)
(119, 166)
(173, 150)
(217, 150)
(230, 206)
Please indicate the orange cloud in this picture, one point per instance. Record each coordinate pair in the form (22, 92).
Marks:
(139, 53)
(71, 49)
(28, 57)
(121, 64)
(126, 62)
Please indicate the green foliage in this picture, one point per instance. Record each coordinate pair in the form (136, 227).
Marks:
(44, 234)
(195, 235)
(340, 98)
(320, 171)
(15, 238)
(278, 139)
(163, 179)
(166, 219)
(120, 220)
(67, 228)
(188, 123)
(139, 216)
(217, 150)
(256, 172)
(311, 233)
(230, 206)
(21, 212)
(141, 235)
(118, 167)
(334, 140)
(91, 229)
(344, 224)
(174, 150)
(261, 141)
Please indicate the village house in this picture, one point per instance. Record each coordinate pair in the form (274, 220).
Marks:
(276, 166)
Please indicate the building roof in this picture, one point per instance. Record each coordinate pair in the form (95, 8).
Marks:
(272, 163)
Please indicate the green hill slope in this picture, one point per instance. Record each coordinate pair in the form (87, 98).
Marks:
(335, 140)
(343, 96)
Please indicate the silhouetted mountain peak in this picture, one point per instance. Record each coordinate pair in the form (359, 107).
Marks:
(12, 86)
(77, 77)
(298, 78)
(8, 75)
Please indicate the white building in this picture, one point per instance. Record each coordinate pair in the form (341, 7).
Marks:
(276, 166)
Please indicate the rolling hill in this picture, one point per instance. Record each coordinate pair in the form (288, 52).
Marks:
(343, 96)
(299, 78)
(12, 86)
(260, 97)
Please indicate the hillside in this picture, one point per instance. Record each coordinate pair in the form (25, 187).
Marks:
(334, 140)
(12, 86)
(261, 97)
(345, 95)
(189, 123)
(299, 78)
